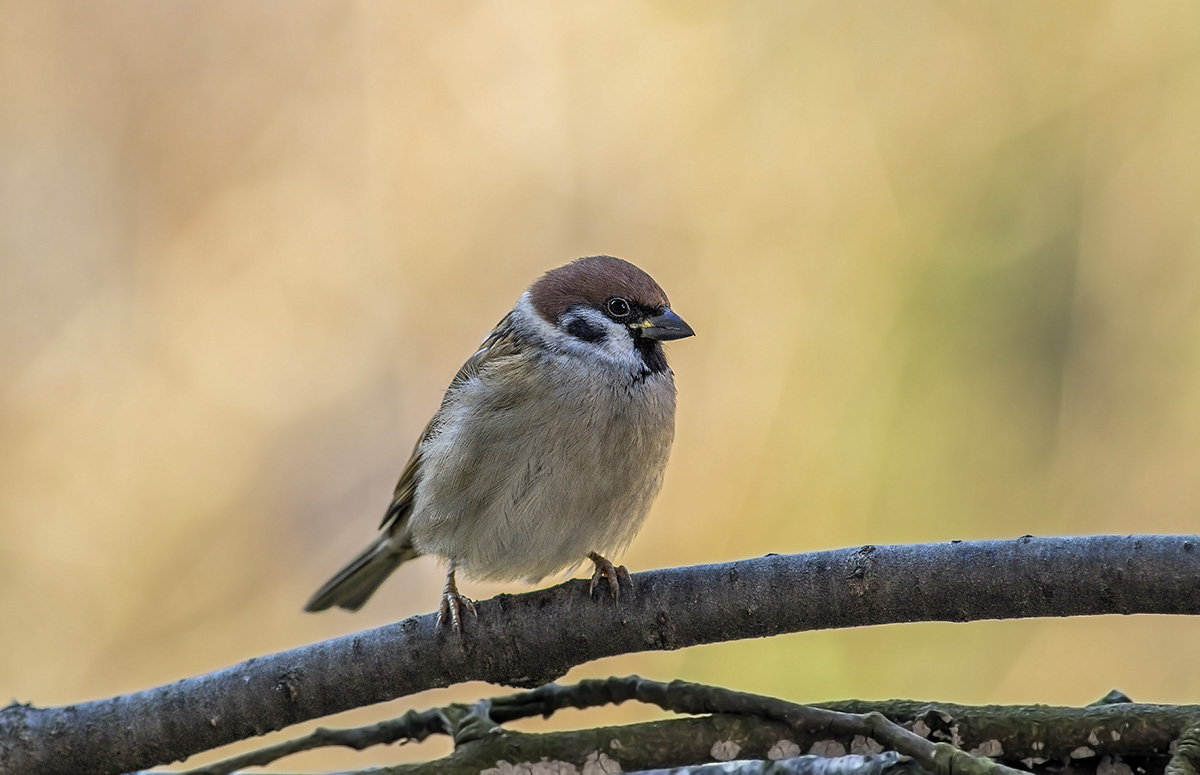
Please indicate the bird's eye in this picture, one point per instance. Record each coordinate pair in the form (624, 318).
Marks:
(618, 307)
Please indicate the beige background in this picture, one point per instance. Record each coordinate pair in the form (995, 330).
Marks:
(942, 259)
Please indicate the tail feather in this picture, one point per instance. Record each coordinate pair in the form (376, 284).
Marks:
(351, 587)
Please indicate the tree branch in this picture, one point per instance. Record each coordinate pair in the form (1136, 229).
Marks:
(529, 639)
(753, 727)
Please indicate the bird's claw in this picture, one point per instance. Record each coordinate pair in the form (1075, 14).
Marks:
(453, 605)
(614, 575)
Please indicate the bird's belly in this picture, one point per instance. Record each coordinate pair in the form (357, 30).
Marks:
(512, 499)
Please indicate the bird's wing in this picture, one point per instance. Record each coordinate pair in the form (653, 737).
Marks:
(502, 343)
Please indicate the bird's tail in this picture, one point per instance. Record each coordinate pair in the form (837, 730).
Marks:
(353, 585)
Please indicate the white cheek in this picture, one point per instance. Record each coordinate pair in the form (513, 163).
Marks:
(616, 348)
(619, 347)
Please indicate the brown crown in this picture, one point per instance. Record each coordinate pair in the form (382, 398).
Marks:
(589, 281)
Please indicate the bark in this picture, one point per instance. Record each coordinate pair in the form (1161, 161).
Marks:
(1113, 736)
(529, 639)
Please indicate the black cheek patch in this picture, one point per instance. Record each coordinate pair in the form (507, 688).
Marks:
(582, 329)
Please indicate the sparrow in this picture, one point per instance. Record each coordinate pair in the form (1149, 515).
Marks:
(549, 445)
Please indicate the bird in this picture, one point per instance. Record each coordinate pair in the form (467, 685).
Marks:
(548, 448)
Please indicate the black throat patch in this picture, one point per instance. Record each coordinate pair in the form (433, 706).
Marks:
(652, 354)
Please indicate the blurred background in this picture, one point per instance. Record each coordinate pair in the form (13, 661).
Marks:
(943, 260)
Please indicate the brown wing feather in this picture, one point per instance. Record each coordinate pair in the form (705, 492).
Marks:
(503, 342)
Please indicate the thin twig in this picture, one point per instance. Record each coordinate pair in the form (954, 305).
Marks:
(411, 727)
(677, 696)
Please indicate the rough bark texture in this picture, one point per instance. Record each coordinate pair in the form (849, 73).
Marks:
(1112, 737)
(1046, 739)
(529, 639)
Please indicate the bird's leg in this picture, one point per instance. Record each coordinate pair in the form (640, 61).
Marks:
(452, 604)
(614, 576)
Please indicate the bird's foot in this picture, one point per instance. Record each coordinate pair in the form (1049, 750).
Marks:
(614, 575)
(453, 605)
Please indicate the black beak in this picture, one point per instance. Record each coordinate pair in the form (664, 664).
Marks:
(665, 326)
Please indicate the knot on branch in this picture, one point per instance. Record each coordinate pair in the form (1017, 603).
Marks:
(1186, 760)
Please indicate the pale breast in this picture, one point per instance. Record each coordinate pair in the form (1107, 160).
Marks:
(522, 483)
